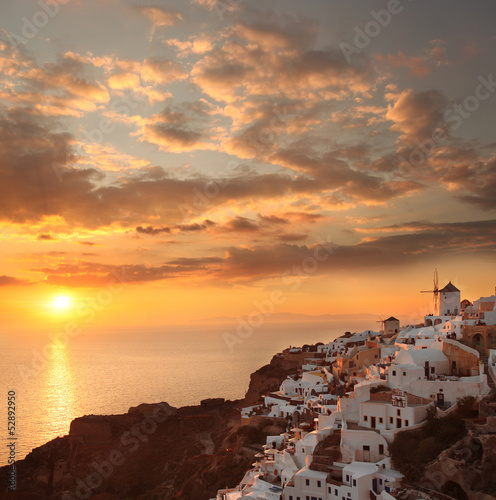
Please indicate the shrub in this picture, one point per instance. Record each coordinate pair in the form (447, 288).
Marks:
(380, 388)
(412, 450)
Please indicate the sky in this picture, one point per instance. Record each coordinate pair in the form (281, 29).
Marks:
(171, 162)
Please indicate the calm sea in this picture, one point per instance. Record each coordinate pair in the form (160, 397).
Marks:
(110, 372)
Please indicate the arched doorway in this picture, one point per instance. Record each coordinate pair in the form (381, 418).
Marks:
(478, 342)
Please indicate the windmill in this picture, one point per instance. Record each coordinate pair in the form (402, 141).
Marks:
(383, 324)
(435, 291)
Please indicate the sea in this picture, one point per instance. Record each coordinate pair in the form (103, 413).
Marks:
(107, 372)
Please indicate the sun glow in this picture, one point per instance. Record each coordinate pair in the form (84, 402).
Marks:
(61, 302)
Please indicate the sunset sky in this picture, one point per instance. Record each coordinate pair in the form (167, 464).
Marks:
(214, 154)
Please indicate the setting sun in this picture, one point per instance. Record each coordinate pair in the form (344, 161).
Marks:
(61, 302)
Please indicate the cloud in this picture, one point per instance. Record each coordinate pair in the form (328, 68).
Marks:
(273, 219)
(88, 243)
(470, 50)
(254, 60)
(160, 17)
(241, 225)
(45, 237)
(403, 244)
(194, 227)
(417, 114)
(69, 75)
(106, 157)
(178, 129)
(422, 62)
(10, 281)
(91, 275)
(38, 179)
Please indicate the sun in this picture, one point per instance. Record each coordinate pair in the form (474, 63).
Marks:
(61, 302)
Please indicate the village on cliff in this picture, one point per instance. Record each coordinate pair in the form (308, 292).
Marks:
(347, 401)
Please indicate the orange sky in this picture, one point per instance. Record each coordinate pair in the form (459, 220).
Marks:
(214, 156)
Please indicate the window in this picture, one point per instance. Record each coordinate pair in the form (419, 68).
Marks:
(380, 482)
(290, 497)
(394, 373)
(381, 420)
(347, 478)
(336, 493)
(381, 451)
(433, 370)
(398, 412)
(330, 490)
(406, 423)
(365, 418)
(319, 484)
(404, 374)
(307, 482)
(354, 482)
(391, 420)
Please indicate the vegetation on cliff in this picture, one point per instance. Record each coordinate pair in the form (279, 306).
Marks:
(412, 450)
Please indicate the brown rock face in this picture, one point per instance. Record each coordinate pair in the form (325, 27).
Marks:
(91, 431)
(266, 379)
(153, 452)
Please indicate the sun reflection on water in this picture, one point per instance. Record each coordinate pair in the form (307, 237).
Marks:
(60, 395)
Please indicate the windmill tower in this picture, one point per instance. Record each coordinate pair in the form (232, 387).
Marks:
(390, 326)
(383, 326)
(435, 293)
(450, 300)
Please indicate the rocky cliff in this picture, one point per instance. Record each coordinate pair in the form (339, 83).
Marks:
(153, 452)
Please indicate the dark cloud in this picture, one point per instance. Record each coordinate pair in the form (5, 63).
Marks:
(88, 243)
(254, 60)
(273, 219)
(417, 114)
(415, 242)
(45, 237)
(90, 274)
(10, 280)
(37, 180)
(150, 230)
(241, 224)
(292, 237)
(178, 129)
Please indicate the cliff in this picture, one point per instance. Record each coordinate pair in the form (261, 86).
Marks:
(267, 379)
(152, 452)
(451, 456)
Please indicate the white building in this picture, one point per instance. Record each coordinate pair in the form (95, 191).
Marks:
(449, 303)
(353, 481)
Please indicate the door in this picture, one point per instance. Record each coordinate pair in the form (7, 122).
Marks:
(372, 422)
(398, 423)
(374, 485)
(366, 453)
